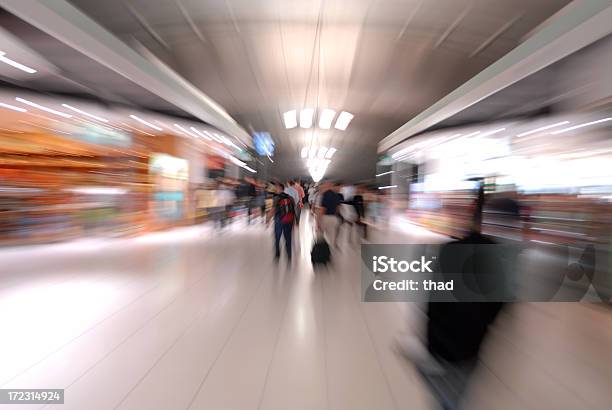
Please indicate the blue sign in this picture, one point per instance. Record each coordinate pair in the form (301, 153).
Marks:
(263, 143)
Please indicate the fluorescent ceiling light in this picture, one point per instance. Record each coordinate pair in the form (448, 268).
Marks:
(41, 107)
(317, 163)
(343, 120)
(387, 187)
(147, 123)
(206, 135)
(95, 117)
(136, 129)
(304, 152)
(322, 152)
(198, 133)
(290, 119)
(384, 173)
(186, 131)
(229, 142)
(212, 137)
(15, 64)
(12, 107)
(542, 128)
(223, 139)
(330, 153)
(586, 124)
(306, 117)
(327, 117)
(313, 152)
(250, 169)
(236, 161)
(472, 134)
(493, 132)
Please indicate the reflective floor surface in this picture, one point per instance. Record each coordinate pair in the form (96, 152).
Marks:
(202, 319)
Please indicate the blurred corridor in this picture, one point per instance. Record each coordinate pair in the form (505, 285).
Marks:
(333, 204)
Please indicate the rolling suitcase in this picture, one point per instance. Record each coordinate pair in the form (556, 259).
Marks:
(320, 252)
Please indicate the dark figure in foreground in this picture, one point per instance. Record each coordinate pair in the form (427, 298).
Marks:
(457, 330)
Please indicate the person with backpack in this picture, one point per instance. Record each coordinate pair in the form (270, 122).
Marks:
(291, 190)
(283, 212)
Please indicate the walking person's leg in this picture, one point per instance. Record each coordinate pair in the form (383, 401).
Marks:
(287, 232)
(329, 225)
(339, 224)
(277, 235)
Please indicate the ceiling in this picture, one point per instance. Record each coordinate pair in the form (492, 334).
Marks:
(578, 82)
(63, 70)
(382, 60)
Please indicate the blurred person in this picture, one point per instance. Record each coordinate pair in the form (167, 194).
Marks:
(306, 189)
(347, 213)
(456, 330)
(341, 212)
(251, 197)
(298, 186)
(283, 213)
(329, 201)
(359, 204)
(312, 197)
(347, 191)
(291, 190)
(375, 206)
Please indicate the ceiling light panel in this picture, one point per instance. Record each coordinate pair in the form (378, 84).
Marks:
(586, 124)
(306, 117)
(313, 152)
(147, 123)
(12, 107)
(290, 119)
(524, 134)
(95, 117)
(13, 63)
(43, 108)
(326, 119)
(343, 121)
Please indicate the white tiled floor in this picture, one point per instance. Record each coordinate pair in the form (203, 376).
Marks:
(198, 319)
